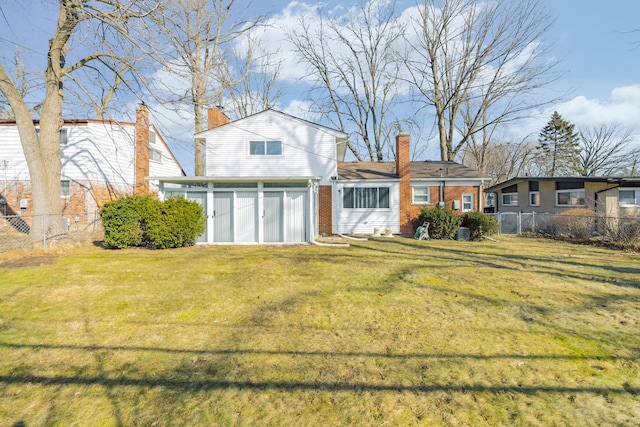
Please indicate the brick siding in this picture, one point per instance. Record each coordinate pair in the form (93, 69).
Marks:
(325, 209)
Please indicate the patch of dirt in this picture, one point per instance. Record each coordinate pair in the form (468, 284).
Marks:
(30, 261)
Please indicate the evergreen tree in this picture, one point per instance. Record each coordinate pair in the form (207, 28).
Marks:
(559, 145)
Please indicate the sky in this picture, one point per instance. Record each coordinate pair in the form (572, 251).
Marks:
(596, 43)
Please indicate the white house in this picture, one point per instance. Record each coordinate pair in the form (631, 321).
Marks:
(101, 160)
(275, 178)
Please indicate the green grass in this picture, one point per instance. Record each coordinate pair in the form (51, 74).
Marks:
(388, 332)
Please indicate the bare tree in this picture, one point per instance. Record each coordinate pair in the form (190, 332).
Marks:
(605, 150)
(200, 36)
(257, 89)
(477, 64)
(109, 19)
(500, 160)
(353, 63)
(25, 85)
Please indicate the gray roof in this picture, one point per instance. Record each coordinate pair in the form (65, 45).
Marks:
(419, 170)
(608, 179)
(440, 169)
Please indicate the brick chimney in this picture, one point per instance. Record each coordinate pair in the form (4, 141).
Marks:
(215, 118)
(403, 170)
(141, 185)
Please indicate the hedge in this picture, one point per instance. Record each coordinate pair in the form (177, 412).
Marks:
(143, 221)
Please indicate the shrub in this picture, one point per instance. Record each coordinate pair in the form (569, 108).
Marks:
(579, 223)
(443, 223)
(125, 221)
(479, 224)
(177, 222)
(144, 221)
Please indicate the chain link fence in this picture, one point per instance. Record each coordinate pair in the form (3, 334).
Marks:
(617, 229)
(29, 232)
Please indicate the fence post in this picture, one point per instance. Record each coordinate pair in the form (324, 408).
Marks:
(44, 232)
(519, 227)
(533, 222)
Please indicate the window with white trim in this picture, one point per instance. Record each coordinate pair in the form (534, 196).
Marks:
(629, 197)
(534, 198)
(570, 198)
(65, 188)
(155, 155)
(265, 148)
(467, 202)
(365, 198)
(509, 199)
(421, 195)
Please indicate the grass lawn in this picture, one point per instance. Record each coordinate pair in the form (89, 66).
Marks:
(390, 332)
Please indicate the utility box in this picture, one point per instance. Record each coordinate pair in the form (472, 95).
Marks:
(463, 234)
(456, 205)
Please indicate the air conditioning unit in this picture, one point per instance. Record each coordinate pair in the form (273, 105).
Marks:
(456, 205)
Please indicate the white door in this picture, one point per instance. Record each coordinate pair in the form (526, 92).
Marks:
(246, 219)
(295, 220)
(273, 216)
(223, 217)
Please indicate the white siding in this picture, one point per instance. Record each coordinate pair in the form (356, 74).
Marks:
(363, 221)
(99, 153)
(307, 150)
(11, 152)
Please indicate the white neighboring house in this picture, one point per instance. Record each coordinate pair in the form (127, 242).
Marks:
(275, 178)
(98, 163)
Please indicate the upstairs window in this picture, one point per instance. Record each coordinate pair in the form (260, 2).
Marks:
(265, 148)
(64, 139)
(365, 198)
(155, 155)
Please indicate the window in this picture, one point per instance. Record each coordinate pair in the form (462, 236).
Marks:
(155, 155)
(152, 137)
(534, 198)
(365, 198)
(467, 202)
(65, 188)
(421, 195)
(64, 138)
(265, 148)
(509, 199)
(629, 197)
(570, 198)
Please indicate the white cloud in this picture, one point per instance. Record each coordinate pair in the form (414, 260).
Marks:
(622, 106)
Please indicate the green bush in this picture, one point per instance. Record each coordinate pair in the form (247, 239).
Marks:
(177, 223)
(125, 221)
(479, 224)
(144, 221)
(443, 223)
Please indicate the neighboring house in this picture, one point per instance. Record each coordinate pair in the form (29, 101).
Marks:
(101, 161)
(275, 178)
(609, 196)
